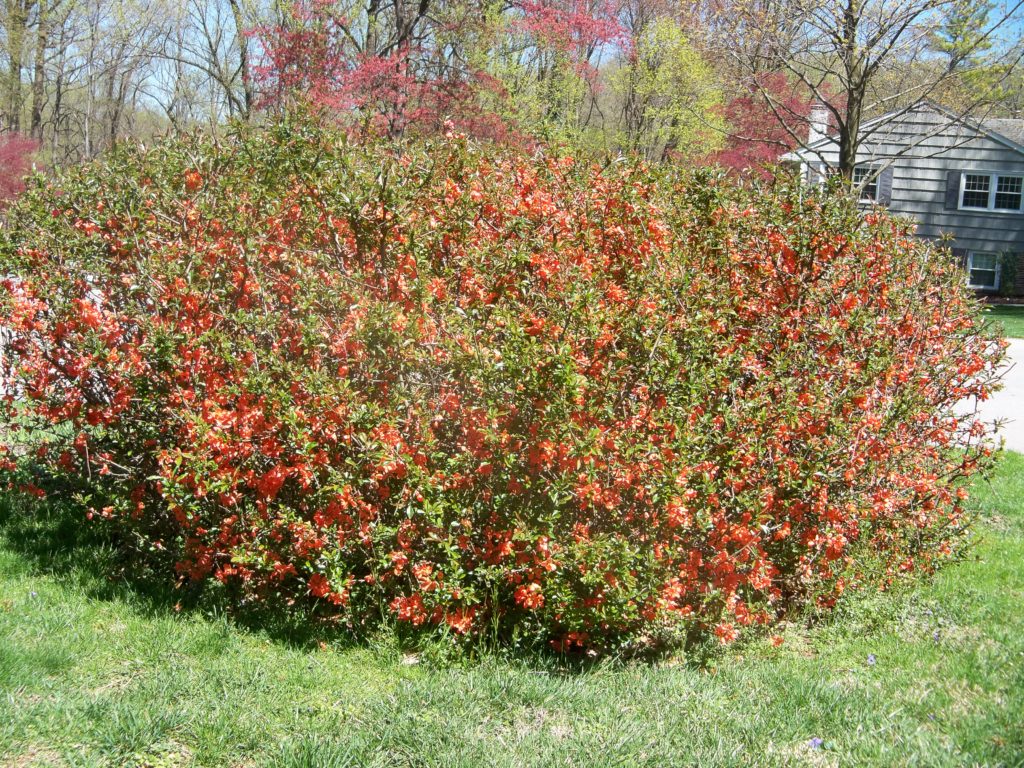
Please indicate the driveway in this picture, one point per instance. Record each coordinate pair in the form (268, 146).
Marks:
(1008, 403)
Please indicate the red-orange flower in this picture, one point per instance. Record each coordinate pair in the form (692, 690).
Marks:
(193, 180)
(318, 585)
(726, 632)
(530, 596)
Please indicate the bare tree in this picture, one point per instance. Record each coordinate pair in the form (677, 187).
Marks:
(861, 58)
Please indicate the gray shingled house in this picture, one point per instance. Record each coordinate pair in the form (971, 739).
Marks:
(954, 176)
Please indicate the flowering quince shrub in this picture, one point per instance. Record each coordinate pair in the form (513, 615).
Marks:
(472, 392)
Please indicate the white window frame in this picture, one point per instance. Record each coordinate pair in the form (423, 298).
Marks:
(872, 177)
(993, 185)
(816, 172)
(969, 264)
(821, 172)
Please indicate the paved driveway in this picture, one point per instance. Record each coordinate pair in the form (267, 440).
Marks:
(1008, 403)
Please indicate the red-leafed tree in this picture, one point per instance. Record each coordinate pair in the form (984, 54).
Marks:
(15, 162)
(572, 26)
(313, 56)
(418, 68)
(763, 123)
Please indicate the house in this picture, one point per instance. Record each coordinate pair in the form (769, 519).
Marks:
(955, 177)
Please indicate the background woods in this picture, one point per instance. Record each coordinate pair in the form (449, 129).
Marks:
(729, 81)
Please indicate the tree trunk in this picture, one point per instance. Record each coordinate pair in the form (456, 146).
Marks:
(243, 59)
(849, 128)
(847, 154)
(39, 74)
(57, 113)
(17, 20)
(371, 40)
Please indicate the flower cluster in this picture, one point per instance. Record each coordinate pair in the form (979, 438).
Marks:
(471, 391)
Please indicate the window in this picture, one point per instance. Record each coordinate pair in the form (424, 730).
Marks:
(1008, 189)
(982, 270)
(868, 191)
(817, 173)
(991, 192)
(975, 191)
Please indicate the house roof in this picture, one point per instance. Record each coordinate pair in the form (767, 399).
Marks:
(1010, 128)
(1007, 131)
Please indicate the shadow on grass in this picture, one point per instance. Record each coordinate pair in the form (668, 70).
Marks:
(55, 538)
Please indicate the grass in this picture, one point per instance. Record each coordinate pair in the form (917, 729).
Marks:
(95, 673)
(1010, 317)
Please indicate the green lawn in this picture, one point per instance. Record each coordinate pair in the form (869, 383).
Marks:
(1011, 318)
(94, 673)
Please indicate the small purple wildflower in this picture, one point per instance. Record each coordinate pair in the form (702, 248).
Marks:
(871, 659)
(935, 635)
(816, 743)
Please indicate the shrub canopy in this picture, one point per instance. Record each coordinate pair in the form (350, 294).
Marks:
(472, 391)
